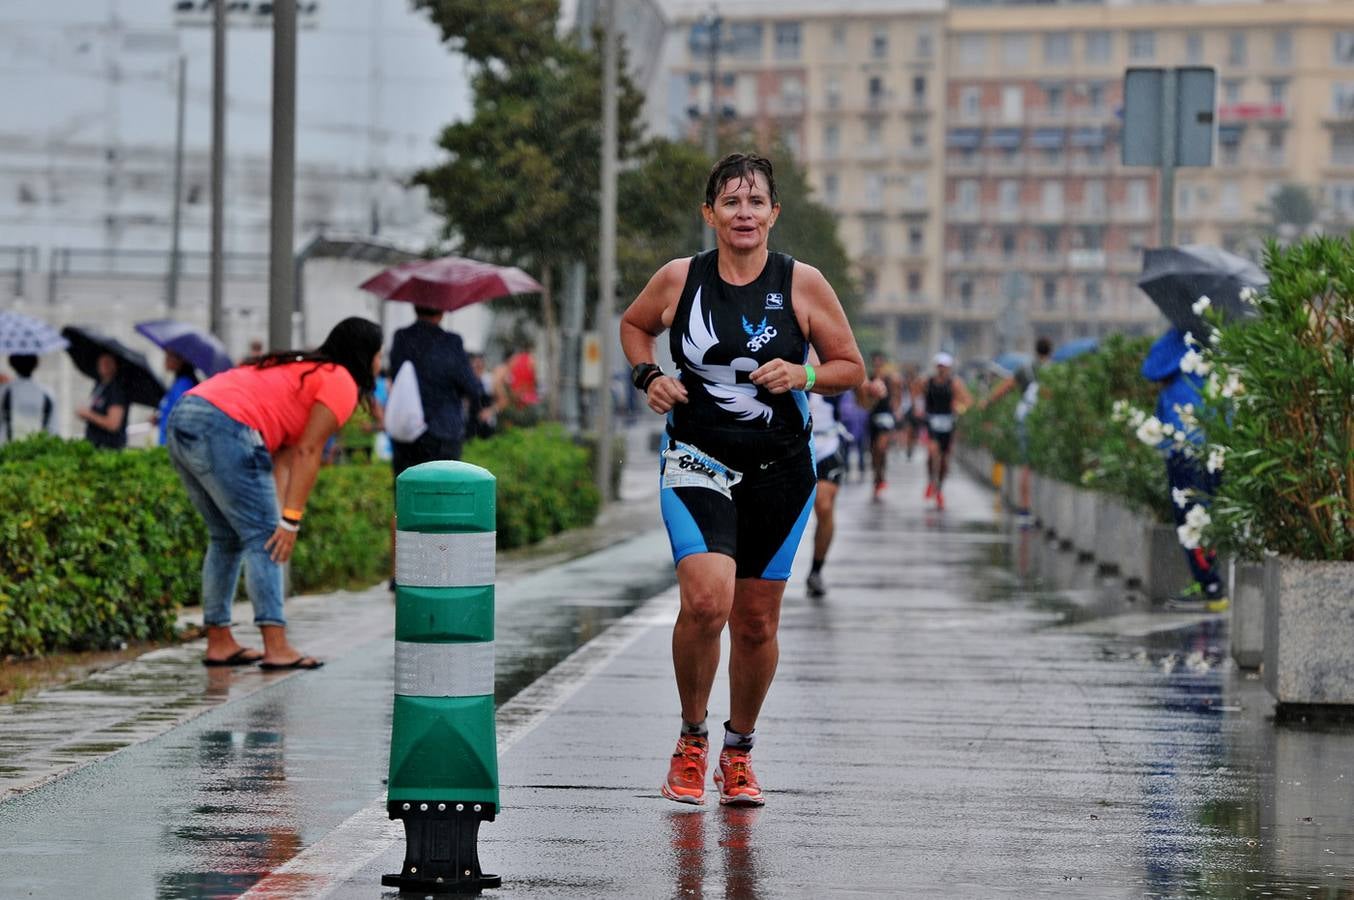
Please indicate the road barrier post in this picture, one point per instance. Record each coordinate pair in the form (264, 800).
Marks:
(443, 750)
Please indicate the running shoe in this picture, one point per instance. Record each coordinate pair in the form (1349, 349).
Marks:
(686, 773)
(816, 586)
(879, 488)
(930, 489)
(737, 785)
(1195, 601)
(940, 500)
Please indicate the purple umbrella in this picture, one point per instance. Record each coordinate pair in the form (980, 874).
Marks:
(203, 350)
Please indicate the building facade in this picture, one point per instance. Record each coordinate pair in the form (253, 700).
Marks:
(972, 152)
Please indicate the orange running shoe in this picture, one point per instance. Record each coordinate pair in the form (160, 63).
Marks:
(686, 773)
(737, 785)
(940, 500)
(930, 489)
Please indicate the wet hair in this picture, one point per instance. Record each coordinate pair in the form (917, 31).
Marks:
(741, 166)
(1043, 347)
(427, 312)
(24, 364)
(351, 344)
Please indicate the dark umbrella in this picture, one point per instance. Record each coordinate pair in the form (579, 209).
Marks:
(1176, 277)
(201, 349)
(135, 373)
(1074, 348)
(449, 282)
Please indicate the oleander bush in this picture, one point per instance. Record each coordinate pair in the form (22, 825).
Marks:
(97, 547)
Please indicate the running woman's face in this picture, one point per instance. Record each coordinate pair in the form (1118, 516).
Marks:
(743, 213)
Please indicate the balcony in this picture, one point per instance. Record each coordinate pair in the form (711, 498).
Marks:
(1087, 213)
(1003, 164)
(964, 165)
(995, 213)
(1086, 260)
(957, 213)
(872, 153)
(1125, 212)
(785, 106)
(916, 156)
(1051, 213)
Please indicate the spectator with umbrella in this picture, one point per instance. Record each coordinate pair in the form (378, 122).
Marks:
(122, 377)
(248, 441)
(1024, 379)
(26, 407)
(187, 351)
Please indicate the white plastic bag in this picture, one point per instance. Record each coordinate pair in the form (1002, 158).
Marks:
(404, 410)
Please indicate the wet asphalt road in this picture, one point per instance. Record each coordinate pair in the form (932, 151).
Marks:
(969, 713)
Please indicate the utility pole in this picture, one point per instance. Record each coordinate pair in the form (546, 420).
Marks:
(215, 303)
(713, 26)
(281, 264)
(606, 255)
(176, 218)
(1166, 197)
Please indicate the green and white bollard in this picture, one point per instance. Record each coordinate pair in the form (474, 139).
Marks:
(443, 751)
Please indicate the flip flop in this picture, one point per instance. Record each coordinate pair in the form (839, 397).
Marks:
(304, 662)
(240, 657)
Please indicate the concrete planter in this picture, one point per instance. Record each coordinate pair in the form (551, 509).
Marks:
(1039, 499)
(1010, 486)
(1085, 521)
(1247, 629)
(1111, 532)
(1309, 632)
(1164, 572)
(1064, 511)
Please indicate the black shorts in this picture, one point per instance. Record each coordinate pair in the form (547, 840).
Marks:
(942, 440)
(757, 519)
(833, 467)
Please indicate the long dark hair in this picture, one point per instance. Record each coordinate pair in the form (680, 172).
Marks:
(351, 344)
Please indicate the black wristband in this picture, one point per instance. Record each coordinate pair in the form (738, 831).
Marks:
(643, 374)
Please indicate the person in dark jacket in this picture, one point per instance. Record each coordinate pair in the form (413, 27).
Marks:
(445, 383)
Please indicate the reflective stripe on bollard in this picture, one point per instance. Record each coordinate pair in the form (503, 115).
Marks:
(443, 750)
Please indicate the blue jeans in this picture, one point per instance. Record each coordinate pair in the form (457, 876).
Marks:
(228, 473)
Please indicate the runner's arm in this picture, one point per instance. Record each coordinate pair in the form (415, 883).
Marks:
(962, 398)
(998, 392)
(645, 319)
(823, 322)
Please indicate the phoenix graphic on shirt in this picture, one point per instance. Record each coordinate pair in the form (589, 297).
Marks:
(722, 380)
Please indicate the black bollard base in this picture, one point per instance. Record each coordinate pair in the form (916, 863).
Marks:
(441, 852)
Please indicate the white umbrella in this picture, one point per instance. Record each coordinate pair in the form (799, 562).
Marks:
(20, 334)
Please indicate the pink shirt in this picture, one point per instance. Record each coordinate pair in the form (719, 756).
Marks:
(277, 400)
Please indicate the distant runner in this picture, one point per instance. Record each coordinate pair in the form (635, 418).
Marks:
(886, 390)
(946, 399)
(1026, 380)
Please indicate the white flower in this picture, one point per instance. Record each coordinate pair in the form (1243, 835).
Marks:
(1119, 412)
(1189, 537)
(1180, 497)
(1167, 429)
(1198, 517)
(1215, 338)
(1193, 363)
(1248, 294)
(1136, 417)
(1149, 432)
(1201, 304)
(1232, 387)
(1186, 414)
(1191, 340)
(1216, 457)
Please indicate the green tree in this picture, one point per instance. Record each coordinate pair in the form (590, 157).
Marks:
(1291, 211)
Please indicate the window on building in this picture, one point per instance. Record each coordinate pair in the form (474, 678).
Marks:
(925, 43)
(1231, 90)
(1283, 48)
(966, 293)
(972, 51)
(839, 36)
(1229, 154)
(1278, 91)
(916, 241)
(1094, 197)
(869, 283)
(966, 195)
(1008, 195)
(1135, 196)
(832, 90)
(919, 89)
(1050, 294)
(970, 102)
(1058, 48)
(874, 237)
(1340, 197)
(1274, 147)
(1095, 97)
(968, 241)
(879, 42)
(1342, 146)
(1344, 48)
(1055, 98)
(831, 189)
(1342, 99)
(914, 283)
(1194, 48)
(787, 40)
(1097, 47)
(1013, 103)
(794, 142)
(1229, 198)
(1094, 293)
(916, 191)
(832, 138)
(874, 190)
(874, 133)
(1142, 45)
(1015, 49)
(1008, 243)
(1051, 198)
(1091, 237)
(744, 40)
(1053, 236)
(918, 137)
(1236, 48)
(875, 89)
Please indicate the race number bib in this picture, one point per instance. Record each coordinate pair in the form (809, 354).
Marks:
(687, 466)
(940, 424)
(882, 421)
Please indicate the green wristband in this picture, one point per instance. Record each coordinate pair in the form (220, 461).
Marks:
(810, 377)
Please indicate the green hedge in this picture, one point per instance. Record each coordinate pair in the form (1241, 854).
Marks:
(99, 547)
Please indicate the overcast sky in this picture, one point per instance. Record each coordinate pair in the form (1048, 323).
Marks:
(61, 51)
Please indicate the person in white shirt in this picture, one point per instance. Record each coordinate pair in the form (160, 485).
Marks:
(26, 407)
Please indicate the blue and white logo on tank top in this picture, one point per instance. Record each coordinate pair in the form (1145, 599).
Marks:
(721, 381)
(759, 334)
(775, 301)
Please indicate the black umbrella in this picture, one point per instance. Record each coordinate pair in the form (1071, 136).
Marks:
(135, 373)
(1176, 277)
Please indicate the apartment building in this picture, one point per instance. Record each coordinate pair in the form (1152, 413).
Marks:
(858, 98)
(971, 150)
(1044, 226)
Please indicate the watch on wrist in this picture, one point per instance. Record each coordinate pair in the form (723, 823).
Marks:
(643, 374)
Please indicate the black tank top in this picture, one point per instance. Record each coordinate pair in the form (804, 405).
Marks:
(720, 334)
(939, 397)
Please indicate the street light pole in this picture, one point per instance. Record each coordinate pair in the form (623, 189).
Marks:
(215, 301)
(606, 255)
(281, 264)
(714, 25)
(176, 218)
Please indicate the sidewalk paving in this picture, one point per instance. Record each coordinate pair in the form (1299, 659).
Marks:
(944, 723)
